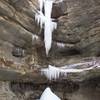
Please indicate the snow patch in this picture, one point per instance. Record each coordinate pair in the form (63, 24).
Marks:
(58, 1)
(49, 95)
(34, 37)
(53, 72)
(61, 45)
(77, 64)
(45, 21)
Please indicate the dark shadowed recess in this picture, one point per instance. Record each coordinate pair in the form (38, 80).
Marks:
(64, 86)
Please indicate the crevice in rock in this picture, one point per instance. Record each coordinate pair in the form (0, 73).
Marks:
(18, 52)
(69, 52)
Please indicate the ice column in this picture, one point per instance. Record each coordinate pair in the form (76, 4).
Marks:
(45, 21)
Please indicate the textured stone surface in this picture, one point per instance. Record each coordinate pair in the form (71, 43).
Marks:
(78, 26)
(78, 35)
(5, 92)
(81, 26)
(78, 31)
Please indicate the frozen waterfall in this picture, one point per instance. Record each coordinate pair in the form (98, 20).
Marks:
(45, 21)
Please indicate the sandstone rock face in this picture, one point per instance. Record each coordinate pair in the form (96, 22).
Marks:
(78, 26)
(81, 26)
(6, 93)
(77, 36)
(77, 32)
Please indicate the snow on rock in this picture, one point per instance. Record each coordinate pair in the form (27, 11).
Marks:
(34, 37)
(78, 64)
(53, 72)
(61, 45)
(49, 95)
(45, 21)
(58, 1)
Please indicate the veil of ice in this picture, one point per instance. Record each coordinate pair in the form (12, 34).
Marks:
(49, 95)
(45, 21)
(53, 72)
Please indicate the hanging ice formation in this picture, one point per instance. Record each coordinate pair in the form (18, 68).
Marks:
(53, 72)
(49, 95)
(45, 21)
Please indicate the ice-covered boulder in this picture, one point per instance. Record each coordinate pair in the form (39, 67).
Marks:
(49, 95)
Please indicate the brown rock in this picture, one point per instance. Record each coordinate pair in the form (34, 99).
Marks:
(78, 30)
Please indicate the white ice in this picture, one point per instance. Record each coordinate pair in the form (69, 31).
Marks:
(40, 18)
(49, 95)
(45, 20)
(77, 64)
(61, 45)
(34, 37)
(58, 1)
(41, 4)
(53, 72)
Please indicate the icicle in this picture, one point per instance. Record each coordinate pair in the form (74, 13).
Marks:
(48, 30)
(45, 19)
(49, 95)
(48, 8)
(41, 4)
(53, 72)
(40, 18)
